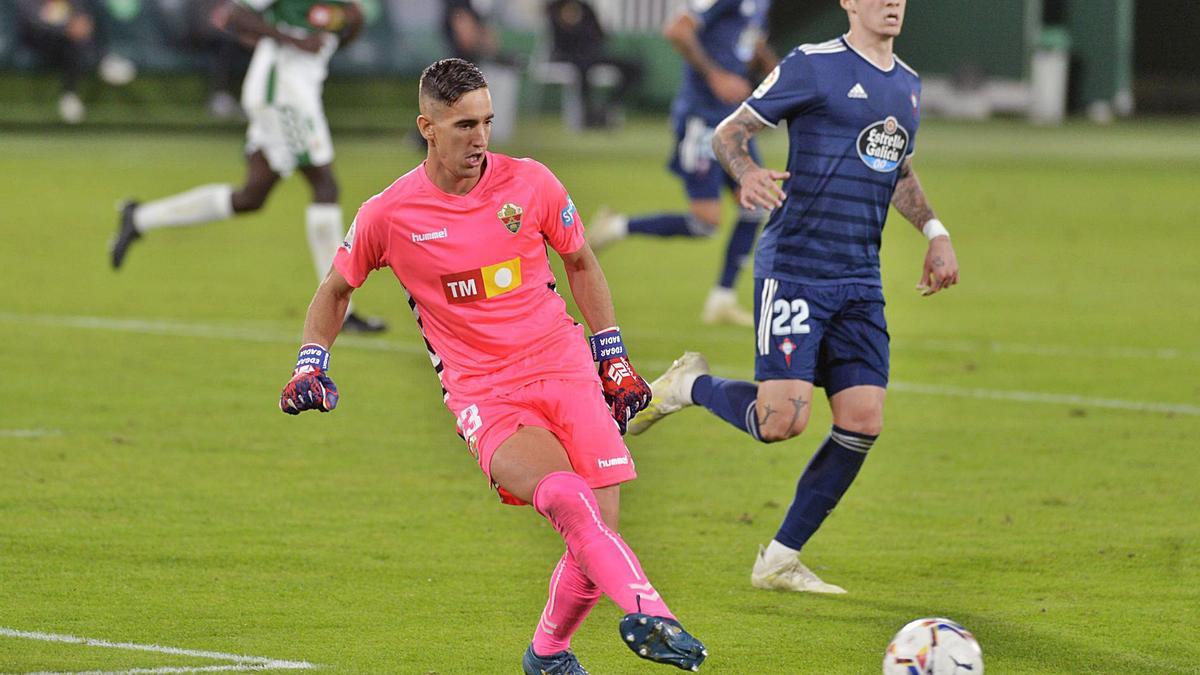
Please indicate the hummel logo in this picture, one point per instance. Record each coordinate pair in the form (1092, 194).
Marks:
(426, 236)
(857, 91)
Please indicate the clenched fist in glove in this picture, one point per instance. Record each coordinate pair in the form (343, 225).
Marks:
(310, 388)
(624, 390)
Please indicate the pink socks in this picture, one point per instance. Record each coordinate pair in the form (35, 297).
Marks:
(572, 596)
(601, 555)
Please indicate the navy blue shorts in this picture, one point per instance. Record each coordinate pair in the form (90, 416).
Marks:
(694, 161)
(833, 336)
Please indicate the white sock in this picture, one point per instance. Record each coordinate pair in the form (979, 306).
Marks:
(722, 295)
(199, 205)
(778, 552)
(323, 223)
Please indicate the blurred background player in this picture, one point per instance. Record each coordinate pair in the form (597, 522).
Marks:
(467, 34)
(851, 109)
(722, 44)
(578, 38)
(226, 57)
(67, 35)
(466, 233)
(282, 98)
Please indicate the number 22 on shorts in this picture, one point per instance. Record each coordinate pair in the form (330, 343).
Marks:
(789, 317)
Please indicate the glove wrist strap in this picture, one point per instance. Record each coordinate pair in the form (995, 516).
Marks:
(607, 344)
(313, 354)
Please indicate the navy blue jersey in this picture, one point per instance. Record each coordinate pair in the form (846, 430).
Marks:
(729, 32)
(850, 125)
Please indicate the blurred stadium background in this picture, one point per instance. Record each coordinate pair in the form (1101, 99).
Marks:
(1036, 479)
(977, 59)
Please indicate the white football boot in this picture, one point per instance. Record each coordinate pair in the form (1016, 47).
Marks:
(721, 307)
(787, 574)
(672, 391)
(606, 228)
(70, 108)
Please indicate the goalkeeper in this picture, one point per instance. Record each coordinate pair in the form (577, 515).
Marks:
(466, 233)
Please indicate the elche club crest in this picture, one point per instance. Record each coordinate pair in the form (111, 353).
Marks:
(882, 145)
(510, 215)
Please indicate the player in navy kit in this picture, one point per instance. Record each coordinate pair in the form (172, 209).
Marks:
(722, 43)
(852, 109)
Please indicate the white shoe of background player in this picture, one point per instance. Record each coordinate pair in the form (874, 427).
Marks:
(722, 307)
(606, 228)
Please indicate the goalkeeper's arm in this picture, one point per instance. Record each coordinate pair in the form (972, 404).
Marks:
(624, 390)
(327, 309)
(311, 387)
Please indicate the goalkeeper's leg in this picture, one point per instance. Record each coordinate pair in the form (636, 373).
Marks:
(533, 465)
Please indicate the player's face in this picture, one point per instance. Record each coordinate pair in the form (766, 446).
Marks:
(461, 133)
(879, 17)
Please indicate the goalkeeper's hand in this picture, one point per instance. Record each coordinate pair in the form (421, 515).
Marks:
(310, 388)
(625, 392)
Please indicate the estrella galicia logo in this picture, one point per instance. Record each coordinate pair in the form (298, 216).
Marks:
(882, 145)
(568, 213)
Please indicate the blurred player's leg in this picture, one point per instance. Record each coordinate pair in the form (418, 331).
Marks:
(323, 225)
(199, 205)
(721, 306)
(607, 227)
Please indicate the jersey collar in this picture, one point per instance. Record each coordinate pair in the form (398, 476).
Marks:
(862, 56)
(478, 189)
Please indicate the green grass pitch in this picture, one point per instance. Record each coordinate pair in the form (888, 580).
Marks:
(1036, 479)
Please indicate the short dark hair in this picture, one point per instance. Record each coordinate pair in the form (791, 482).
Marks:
(447, 80)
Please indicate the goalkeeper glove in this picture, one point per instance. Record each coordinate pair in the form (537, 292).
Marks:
(625, 391)
(310, 388)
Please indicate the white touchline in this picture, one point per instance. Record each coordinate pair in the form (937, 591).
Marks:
(241, 332)
(240, 662)
(166, 670)
(29, 433)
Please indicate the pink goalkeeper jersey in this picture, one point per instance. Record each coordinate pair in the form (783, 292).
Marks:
(477, 275)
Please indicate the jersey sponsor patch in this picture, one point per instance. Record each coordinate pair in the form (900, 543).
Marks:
(348, 242)
(485, 282)
(768, 82)
(882, 144)
(510, 215)
(568, 213)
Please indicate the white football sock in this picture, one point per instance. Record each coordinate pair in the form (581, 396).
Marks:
(323, 223)
(198, 205)
(778, 552)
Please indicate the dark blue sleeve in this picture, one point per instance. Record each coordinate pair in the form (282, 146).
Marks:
(708, 10)
(789, 90)
(916, 103)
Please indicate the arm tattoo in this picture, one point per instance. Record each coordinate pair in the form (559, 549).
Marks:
(939, 262)
(909, 198)
(731, 142)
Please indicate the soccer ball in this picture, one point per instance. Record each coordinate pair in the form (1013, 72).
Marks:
(933, 647)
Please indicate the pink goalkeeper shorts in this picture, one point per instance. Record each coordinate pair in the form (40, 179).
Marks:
(573, 410)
